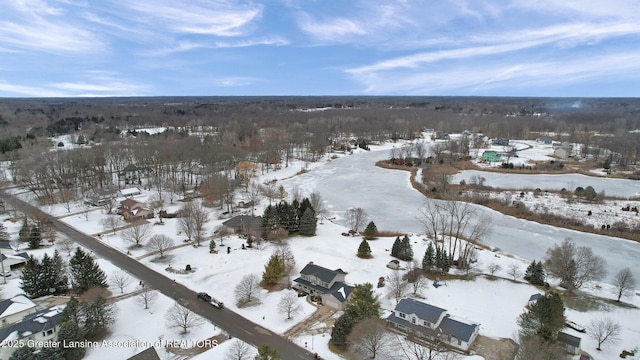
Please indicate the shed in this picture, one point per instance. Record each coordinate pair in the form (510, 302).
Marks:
(394, 264)
(569, 342)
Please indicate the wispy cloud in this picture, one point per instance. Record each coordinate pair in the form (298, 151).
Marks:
(219, 18)
(187, 45)
(233, 81)
(465, 79)
(34, 25)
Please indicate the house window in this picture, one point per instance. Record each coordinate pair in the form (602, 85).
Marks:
(459, 342)
(413, 320)
(426, 323)
(402, 315)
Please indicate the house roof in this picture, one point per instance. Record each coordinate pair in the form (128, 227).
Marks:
(342, 292)
(15, 305)
(5, 245)
(147, 354)
(535, 297)
(422, 310)
(129, 203)
(21, 256)
(394, 261)
(320, 272)
(458, 329)
(130, 191)
(418, 328)
(247, 222)
(33, 323)
(569, 339)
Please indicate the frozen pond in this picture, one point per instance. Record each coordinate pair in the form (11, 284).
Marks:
(392, 203)
(613, 187)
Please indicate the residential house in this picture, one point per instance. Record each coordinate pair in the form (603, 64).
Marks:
(328, 284)
(13, 261)
(39, 327)
(130, 192)
(545, 140)
(99, 197)
(569, 342)
(431, 325)
(491, 156)
(132, 210)
(133, 174)
(244, 223)
(14, 309)
(500, 142)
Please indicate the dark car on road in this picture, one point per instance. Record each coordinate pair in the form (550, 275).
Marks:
(204, 296)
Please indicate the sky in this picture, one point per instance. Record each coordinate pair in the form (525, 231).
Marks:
(556, 48)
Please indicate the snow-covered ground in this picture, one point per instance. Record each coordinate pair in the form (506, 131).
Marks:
(386, 195)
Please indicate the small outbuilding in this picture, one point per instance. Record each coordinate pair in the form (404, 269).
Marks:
(491, 156)
(394, 264)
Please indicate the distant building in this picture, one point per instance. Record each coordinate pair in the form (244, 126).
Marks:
(431, 325)
(545, 140)
(244, 223)
(99, 197)
(491, 156)
(500, 142)
(569, 342)
(534, 298)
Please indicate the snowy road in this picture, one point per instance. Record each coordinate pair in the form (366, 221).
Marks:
(392, 203)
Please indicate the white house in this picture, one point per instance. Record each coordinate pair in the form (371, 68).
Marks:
(129, 192)
(39, 327)
(328, 284)
(14, 309)
(431, 325)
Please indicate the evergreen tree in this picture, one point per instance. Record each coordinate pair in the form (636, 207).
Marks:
(363, 302)
(48, 353)
(23, 353)
(273, 270)
(545, 318)
(304, 205)
(85, 273)
(71, 312)
(98, 315)
(31, 279)
(308, 223)
(265, 352)
(438, 258)
(52, 274)
(406, 251)
(396, 247)
(34, 237)
(428, 261)
(370, 231)
(529, 272)
(364, 251)
(341, 330)
(269, 219)
(445, 263)
(538, 276)
(25, 231)
(212, 245)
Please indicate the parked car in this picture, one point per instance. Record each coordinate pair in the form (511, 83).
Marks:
(211, 300)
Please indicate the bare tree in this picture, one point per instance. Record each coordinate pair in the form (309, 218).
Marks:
(415, 277)
(318, 205)
(289, 304)
(574, 265)
(111, 222)
(157, 205)
(137, 234)
(120, 279)
(160, 243)
(181, 317)
(239, 350)
(411, 350)
(67, 197)
(624, 282)
(514, 271)
(356, 217)
(493, 268)
(248, 289)
(369, 337)
(284, 253)
(200, 219)
(254, 195)
(15, 244)
(270, 191)
(397, 286)
(186, 223)
(147, 297)
(604, 331)
(536, 348)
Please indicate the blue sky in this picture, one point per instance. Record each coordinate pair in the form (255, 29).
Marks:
(51, 48)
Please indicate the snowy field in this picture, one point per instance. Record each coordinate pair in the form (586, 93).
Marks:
(386, 195)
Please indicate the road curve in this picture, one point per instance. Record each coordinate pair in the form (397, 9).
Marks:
(234, 324)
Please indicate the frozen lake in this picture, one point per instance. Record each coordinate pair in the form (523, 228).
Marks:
(613, 187)
(391, 202)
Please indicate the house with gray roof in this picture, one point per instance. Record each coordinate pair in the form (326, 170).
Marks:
(244, 223)
(431, 325)
(569, 342)
(39, 327)
(14, 309)
(328, 284)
